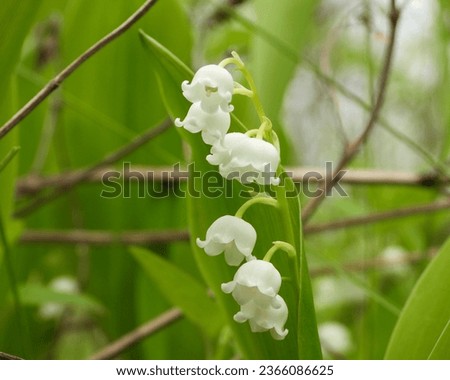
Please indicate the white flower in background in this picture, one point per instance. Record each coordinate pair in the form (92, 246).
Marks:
(245, 158)
(331, 292)
(231, 235)
(212, 87)
(64, 285)
(256, 281)
(265, 318)
(213, 126)
(396, 260)
(335, 338)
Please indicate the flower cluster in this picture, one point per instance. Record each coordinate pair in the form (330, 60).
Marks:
(248, 158)
(256, 284)
(238, 155)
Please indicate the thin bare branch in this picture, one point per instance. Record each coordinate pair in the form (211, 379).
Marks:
(116, 348)
(5, 356)
(353, 147)
(83, 174)
(168, 236)
(57, 80)
(375, 263)
(32, 184)
(167, 318)
(103, 237)
(378, 217)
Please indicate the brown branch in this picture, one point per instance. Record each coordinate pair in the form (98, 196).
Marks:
(353, 147)
(103, 237)
(168, 236)
(56, 81)
(377, 217)
(33, 184)
(374, 263)
(116, 348)
(5, 356)
(81, 175)
(166, 319)
(154, 237)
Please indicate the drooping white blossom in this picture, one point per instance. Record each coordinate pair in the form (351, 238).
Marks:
(213, 126)
(256, 281)
(212, 87)
(246, 159)
(231, 235)
(335, 338)
(267, 318)
(62, 285)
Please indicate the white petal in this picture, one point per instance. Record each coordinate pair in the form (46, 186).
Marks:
(214, 126)
(228, 287)
(247, 159)
(212, 86)
(261, 274)
(267, 318)
(231, 235)
(233, 256)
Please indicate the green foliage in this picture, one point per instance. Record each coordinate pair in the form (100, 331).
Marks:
(423, 329)
(316, 67)
(306, 344)
(182, 290)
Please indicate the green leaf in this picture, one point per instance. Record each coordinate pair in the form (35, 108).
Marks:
(302, 341)
(37, 295)
(182, 290)
(166, 58)
(422, 331)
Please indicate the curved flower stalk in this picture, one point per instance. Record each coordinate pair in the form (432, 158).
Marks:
(256, 281)
(245, 158)
(213, 126)
(212, 87)
(249, 157)
(263, 319)
(231, 235)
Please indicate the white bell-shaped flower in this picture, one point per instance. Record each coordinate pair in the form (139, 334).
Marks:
(257, 281)
(213, 126)
(261, 319)
(246, 159)
(231, 235)
(212, 86)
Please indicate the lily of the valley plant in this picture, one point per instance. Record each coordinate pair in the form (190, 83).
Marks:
(248, 157)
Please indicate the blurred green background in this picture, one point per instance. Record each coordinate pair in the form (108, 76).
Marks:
(69, 300)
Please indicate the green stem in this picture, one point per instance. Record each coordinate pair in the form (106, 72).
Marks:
(259, 199)
(280, 246)
(241, 90)
(13, 283)
(9, 157)
(236, 60)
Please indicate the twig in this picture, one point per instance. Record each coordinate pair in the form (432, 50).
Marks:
(172, 315)
(168, 236)
(374, 263)
(56, 81)
(82, 175)
(116, 348)
(221, 14)
(292, 54)
(377, 217)
(32, 184)
(103, 237)
(353, 147)
(5, 356)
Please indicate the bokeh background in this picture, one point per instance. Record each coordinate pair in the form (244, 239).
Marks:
(68, 284)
